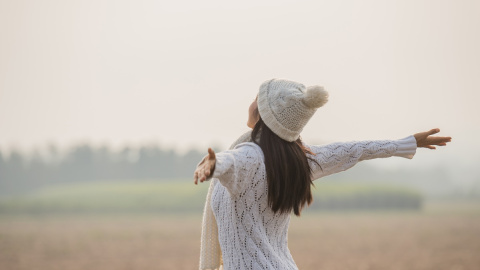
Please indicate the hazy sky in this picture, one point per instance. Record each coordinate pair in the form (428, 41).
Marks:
(183, 73)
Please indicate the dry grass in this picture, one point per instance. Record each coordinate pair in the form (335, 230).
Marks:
(438, 239)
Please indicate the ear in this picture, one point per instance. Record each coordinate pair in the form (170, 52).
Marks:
(315, 96)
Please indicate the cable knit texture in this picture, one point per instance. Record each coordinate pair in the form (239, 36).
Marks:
(286, 106)
(250, 235)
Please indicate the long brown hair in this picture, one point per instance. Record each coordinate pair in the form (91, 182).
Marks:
(289, 175)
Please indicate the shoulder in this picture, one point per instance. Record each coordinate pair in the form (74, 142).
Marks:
(250, 150)
(248, 146)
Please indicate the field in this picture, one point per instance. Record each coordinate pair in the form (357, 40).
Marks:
(174, 196)
(442, 236)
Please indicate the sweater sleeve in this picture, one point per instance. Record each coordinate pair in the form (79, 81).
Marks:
(235, 168)
(337, 157)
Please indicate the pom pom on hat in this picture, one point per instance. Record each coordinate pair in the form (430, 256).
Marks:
(315, 97)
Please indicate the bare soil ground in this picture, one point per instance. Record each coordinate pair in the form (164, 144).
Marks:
(440, 238)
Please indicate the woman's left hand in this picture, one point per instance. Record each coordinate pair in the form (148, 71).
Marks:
(426, 140)
(205, 168)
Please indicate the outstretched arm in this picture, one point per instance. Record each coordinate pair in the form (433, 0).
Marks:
(337, 157)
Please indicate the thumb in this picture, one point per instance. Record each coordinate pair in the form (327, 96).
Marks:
(433, 131)
(211, 153)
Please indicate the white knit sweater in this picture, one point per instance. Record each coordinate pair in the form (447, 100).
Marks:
(250, 235)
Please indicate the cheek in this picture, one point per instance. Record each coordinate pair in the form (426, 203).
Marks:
(251, 109)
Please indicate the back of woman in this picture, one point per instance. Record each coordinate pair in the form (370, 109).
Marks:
(250, 234)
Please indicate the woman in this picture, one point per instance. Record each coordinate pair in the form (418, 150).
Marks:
(267, 173)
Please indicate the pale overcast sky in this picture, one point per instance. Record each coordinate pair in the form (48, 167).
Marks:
(183, 73)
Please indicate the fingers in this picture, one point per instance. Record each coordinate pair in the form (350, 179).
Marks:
(438, 140)
(433, 131)
(195, 177)
(205, 174)
(201, 175)
(441, 142)
(445, 139)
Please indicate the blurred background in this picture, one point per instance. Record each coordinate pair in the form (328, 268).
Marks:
(107, 106)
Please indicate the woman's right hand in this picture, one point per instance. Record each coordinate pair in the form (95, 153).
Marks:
(205, 168)
(424, 139)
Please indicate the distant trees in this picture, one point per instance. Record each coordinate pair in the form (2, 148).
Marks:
(21, 172)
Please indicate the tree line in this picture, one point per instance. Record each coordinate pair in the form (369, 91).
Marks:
(20, 172)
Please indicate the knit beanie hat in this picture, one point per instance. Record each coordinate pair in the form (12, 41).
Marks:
(286, 106)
